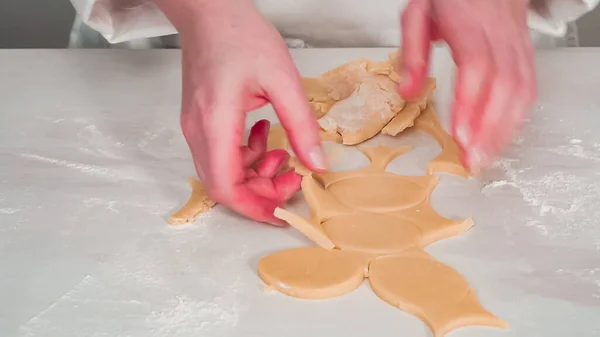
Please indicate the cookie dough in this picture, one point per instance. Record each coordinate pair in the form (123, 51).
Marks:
(277, 139)
(363, 114)
(388, 219)
(311, 229)
(407, 116)
(356, 100)
(373, 189)
(198, 203)
(412, 282)
(448, 160)
(372, 233)
(313, 273)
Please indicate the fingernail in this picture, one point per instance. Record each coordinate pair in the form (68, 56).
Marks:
(317, 158)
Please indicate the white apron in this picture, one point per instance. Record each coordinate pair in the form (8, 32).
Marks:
(304, 23)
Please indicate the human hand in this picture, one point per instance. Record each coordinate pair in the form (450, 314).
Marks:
(496, 82)
(234, 61)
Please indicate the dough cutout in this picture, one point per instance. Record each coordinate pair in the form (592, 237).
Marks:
(448, 160)
(430, 290)
(198, 203)
(313, 273)
(372, 233)
(356, 189)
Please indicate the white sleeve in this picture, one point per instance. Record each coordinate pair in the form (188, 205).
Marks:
(124, 20)
(552, 16)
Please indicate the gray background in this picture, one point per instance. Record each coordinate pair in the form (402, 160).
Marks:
(47, 23)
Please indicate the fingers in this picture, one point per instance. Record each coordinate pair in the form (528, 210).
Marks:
(267, 181)
(272, 163)
(297, 118)
(278, 189)
(224, 166)
(248, 202)
(416, 44)
(485, 119)
(257, 142)
(287, 184)
(475, 62)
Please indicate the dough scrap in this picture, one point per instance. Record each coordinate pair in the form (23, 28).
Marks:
(407, 116)
(198, 203)
(448, 160)
(313, 273)
(312, 230)
(358, 99)
(388, 68)
(365, 112)
(430, 290)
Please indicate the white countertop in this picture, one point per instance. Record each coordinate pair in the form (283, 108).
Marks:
(93, 162)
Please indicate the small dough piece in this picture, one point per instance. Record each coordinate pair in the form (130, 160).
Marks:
(430, 290)
(406, 118)
(295, 164)
(371, 233)
(403, 120)
(312, 230)
(448, 160)
(198, 203)
(313, 273)
(388, 68)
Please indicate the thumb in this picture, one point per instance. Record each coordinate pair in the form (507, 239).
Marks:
(297, 118)
(416, 45)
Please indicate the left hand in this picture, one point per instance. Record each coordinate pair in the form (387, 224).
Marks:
(496, 83)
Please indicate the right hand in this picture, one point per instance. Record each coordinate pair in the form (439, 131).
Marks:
(496, 82)
(234, 61)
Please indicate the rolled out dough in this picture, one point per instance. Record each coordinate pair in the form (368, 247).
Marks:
(417, 283)
(313, 273)
(198, 203)
(387, 218)
(372, 233)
